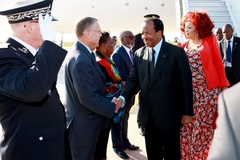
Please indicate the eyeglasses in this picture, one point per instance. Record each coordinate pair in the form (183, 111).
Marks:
(129, 37)
(99, 31)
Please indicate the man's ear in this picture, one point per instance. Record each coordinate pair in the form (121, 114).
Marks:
(160, 34)
(29, 27)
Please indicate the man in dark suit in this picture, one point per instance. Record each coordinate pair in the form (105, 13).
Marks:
(166, 99)
(230, 51)
(86, 105)
(138, 43)
(31, 114)
(226, 140)
(123, 57)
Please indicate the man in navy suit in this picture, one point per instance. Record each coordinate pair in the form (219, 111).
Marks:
(31, 114)
(162, 72)
(123, 57)
(232, 64)
(87, 109)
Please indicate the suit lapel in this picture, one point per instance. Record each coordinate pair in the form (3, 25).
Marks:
(95, 64)
(160, 62)
(126, 55)
(234, 46)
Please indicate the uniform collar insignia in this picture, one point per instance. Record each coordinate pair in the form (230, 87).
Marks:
(23, 49)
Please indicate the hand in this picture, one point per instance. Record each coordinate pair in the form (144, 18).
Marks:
(46, 28)
(118, 103)
(186, 120)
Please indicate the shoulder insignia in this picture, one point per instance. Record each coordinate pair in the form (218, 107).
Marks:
(4, 45)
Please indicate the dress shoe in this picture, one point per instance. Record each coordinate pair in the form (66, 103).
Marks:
(132, 147)
(141, 131)
(121, 154)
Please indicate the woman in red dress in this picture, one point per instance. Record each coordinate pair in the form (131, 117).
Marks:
(208, 79)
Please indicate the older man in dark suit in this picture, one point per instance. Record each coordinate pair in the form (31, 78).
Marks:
(31, 114)
(123, 57)
(162, 71)
(86, 105)
(230, 51)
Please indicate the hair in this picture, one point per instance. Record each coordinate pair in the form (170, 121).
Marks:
(83, 24)
(158, 24)
(228, 26)
(219, 29)
(103, 38)
(202, 22)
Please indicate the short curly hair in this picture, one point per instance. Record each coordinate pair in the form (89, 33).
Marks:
(201, 20)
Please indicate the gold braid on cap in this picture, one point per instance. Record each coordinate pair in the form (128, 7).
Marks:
(32, 14)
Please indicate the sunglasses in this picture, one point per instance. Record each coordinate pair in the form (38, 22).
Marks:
(129, 37)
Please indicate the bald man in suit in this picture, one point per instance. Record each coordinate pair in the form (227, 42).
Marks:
(232, 65)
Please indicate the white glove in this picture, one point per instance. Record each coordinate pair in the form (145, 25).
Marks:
(46, 28)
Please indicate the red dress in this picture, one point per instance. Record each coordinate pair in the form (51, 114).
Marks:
(195, 138)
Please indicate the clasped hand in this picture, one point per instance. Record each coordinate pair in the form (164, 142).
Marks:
(118, 102)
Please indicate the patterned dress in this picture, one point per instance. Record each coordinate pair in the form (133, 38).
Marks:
(195, 138)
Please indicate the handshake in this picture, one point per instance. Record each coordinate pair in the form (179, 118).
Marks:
(119, 102)
(118, 109)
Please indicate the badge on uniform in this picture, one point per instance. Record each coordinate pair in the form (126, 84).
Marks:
(4, 45)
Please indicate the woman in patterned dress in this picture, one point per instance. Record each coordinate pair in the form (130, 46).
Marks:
(208, 79)
(113, 87)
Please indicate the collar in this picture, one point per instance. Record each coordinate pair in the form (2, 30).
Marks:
(157, 47)
(88, 48)
(230, 39)
(30, 48)
(127, 49)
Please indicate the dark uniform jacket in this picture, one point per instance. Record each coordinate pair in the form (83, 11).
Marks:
(31, 114)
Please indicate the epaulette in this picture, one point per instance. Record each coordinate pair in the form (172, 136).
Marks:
(4, 45)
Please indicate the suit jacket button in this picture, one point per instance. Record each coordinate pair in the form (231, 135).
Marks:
(40, 138)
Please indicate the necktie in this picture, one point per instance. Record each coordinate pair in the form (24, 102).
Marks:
(228, 52)
(151, 63)
(131, 54)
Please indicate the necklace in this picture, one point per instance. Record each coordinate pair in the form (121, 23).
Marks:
(194, 45)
